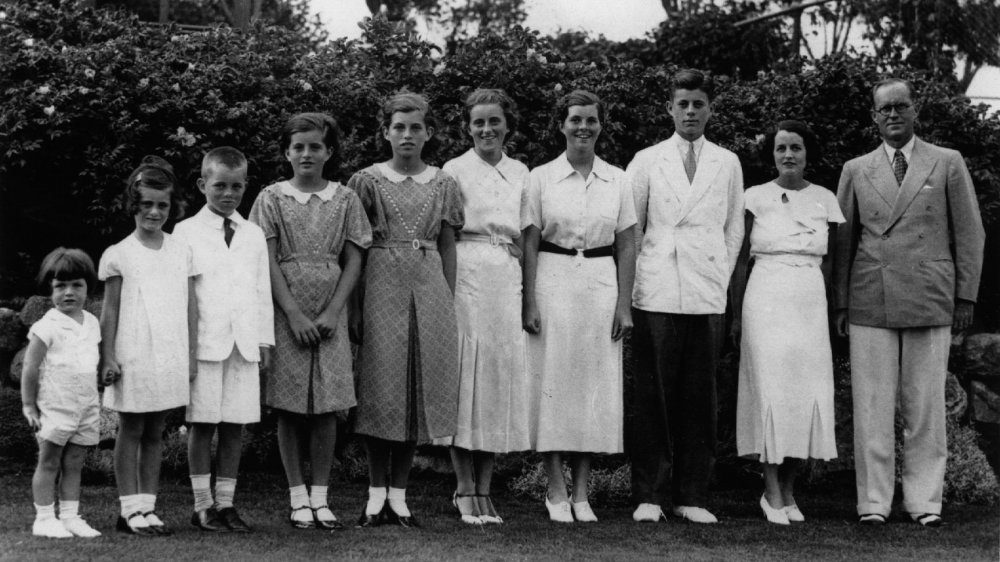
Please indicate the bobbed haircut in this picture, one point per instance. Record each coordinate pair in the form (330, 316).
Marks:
(156, 173)
(577, 97)
(405, 102)
(693, 79)
(893, 80)
(322, 122)
(225, 156)
(66, 264)
(809, 139)
(491, 96)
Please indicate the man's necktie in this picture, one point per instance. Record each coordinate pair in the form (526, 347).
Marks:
(690, 163)
(899, 166)
(227, 229)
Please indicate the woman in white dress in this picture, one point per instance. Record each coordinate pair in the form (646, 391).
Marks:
(785, 399)
(579, 264)
(493, 390)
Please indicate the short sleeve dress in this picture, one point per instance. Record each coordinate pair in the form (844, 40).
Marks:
(576, 368)
(493, 388)
(408, 364)
(785, 397)
(151, 344)
(311, 230)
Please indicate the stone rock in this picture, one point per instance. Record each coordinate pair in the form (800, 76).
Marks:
(981, 356)
(955, 399)
(34, 309)
(16, 365)
(985, 403)
(12, 332)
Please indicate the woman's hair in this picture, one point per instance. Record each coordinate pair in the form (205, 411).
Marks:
(576, 97)
(792, 126)
(153, 173)
(305, 122)
(488, 96)
(66, 264)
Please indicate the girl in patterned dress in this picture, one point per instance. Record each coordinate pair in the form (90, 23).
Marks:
(148, 332)
(408, 372)
(316, 233)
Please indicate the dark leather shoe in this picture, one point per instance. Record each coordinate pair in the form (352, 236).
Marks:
(232, 520)
(123, 526)
(328, 524)
(390, 517)
(367, 521)
(160, 529)
(208, 520)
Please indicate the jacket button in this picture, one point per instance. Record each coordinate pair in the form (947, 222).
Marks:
(885, 237)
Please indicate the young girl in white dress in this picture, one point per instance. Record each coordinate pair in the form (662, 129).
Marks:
(148, 325)
(59, 392)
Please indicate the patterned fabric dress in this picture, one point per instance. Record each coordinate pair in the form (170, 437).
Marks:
(311, 230)
(408, 368)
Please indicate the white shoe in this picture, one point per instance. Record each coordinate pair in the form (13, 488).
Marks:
(583, 513)
(80, 528)
(695, 514)
(648, 512)
(793, 513)
(559, 512)
(774, 515)
(51, 528)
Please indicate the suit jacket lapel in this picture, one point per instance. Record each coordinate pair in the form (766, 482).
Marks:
(677, 182)
(921, 164)
(879, 173)
(708, 168)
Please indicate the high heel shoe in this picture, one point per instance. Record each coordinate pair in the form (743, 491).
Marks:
(559, 512)
(776, 516)
(487, 513)
(472, 517)
(794, 514)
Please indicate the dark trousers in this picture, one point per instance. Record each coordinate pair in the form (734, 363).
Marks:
(671, 406)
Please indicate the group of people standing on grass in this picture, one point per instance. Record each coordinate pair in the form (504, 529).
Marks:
(491, 302)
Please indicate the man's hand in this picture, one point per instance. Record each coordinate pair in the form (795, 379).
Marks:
(964, 311)
(840, 321)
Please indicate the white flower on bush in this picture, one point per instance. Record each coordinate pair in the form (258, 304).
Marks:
(84, 91)
(89, 72)
(759, 138)
(190, 66)
(184, 137)
(144, 83)
(29, 42)
(528, 54)
(3, 15)
(305, 85)
(542, 59)
(43, 90)
(176, 87)
(439, 68)
(558, 88)
(182, 430)
(49, 110)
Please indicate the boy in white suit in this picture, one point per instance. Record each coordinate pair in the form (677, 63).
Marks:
(235, 334)
(689, 204)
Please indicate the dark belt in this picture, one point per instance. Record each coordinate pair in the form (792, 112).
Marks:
(602, 252)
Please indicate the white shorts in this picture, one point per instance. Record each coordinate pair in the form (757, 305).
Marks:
(225, 391)
(70, 421)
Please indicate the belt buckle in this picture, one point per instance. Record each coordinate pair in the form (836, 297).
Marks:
(415, 244)
(494, 239)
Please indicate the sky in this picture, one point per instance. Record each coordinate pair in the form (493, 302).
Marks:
(615, 19)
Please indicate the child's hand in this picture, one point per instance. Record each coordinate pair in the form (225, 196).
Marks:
(110, 373)
(304, 330)
(326, 324)
(355, 328)
(265, 358)
(33, 416)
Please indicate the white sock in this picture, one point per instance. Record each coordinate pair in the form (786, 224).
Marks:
(317, 497)
(130, 505)
(43, 512)
(201, 488)
(225, 489)
(148, 502)
(376, 501)
(397, 501)
(299, 496)
(69, 509)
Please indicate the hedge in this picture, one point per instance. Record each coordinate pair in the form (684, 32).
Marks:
(87, 93)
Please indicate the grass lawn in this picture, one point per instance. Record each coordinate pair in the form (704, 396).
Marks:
(830, 533)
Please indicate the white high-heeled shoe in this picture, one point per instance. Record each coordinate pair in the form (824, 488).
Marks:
(776, 516)
(559, 512)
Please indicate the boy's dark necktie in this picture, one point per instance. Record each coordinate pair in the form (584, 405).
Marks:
(227, 229)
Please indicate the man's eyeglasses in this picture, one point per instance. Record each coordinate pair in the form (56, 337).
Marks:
(887, 109)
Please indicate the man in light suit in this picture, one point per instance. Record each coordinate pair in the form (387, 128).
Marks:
(689, 205)
(907, 269)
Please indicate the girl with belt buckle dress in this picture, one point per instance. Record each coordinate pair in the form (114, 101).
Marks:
(579, 264)
(408, 366)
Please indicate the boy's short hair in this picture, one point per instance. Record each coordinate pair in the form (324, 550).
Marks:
(692, 79)
(809, 140)
(486, 96)
(153, 173)
(66, 264)
(311, 121)
(576, 97)
(222, 156)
